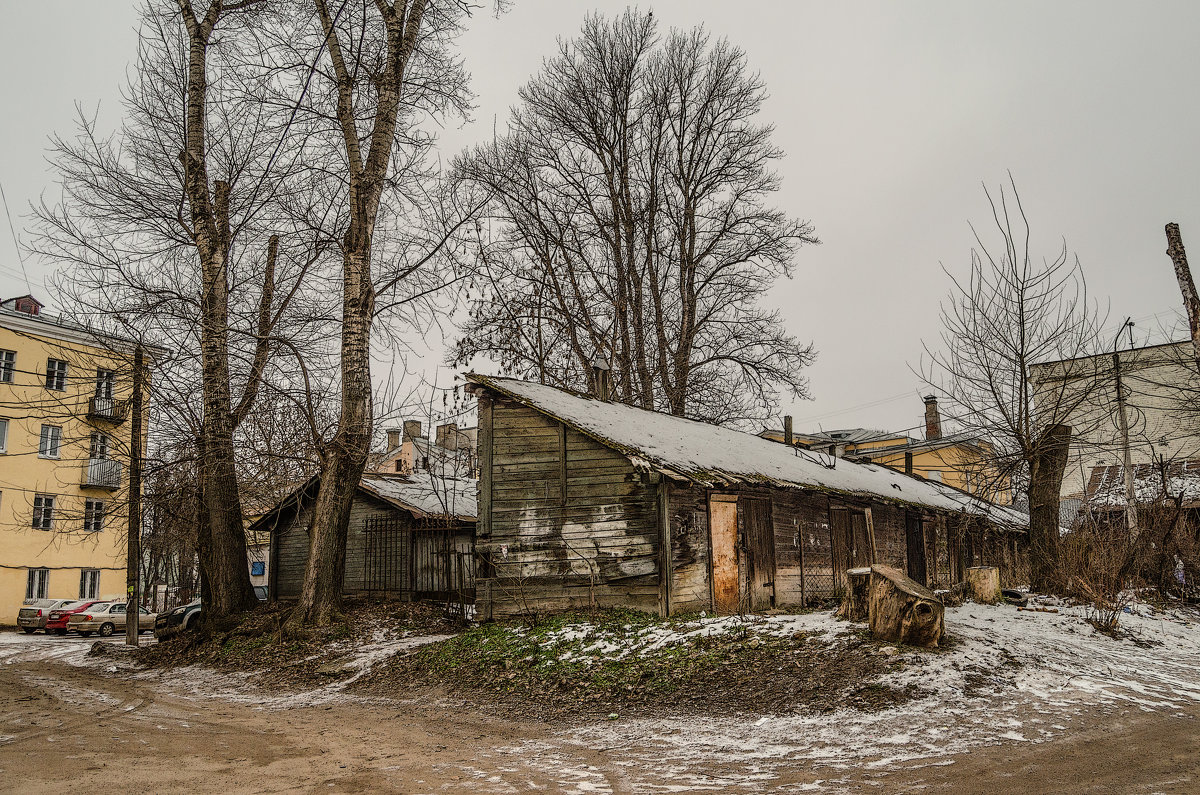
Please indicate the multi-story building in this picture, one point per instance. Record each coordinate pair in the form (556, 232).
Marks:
(959, 460)
(1156, 415)
(64, 453)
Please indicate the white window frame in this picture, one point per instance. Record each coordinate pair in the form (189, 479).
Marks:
(93, 515)
(56, 374)
(43, 512)
(8, 366)
(50, 433)
(37, 583)
(3, 434)
(89, 583)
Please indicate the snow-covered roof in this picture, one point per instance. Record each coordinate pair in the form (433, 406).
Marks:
(1106, 486)
(713, 456)
(426, 495)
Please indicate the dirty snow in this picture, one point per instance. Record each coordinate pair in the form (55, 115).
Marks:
(1007, 677)
(713, 455)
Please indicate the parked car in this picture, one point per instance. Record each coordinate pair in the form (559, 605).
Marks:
(172, 622)
(56, 622)
(184, 617)
(32, 616)
(107, 618)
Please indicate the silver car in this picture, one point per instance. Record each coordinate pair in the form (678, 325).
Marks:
(33, 614)
(107, 618)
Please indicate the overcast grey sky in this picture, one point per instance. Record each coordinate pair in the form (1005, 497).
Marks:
(891, 114)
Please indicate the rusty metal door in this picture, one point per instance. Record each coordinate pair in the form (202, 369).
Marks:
(760, 548)
(723, 532)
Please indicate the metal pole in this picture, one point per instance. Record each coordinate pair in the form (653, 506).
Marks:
(133, 545)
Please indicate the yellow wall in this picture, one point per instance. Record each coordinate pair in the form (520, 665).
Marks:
(27, 404)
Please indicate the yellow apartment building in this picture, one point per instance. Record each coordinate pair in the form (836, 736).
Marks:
(64, 453)
(954, 459)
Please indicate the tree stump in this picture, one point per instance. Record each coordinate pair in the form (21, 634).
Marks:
(855, 602)
(983, 584)
(902, 610)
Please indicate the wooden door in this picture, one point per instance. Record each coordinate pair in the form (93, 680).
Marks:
(915, 541)
(840, 543)
(760, 548)
(723, 533)
(860, 541)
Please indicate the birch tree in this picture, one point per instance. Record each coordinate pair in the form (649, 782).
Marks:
(169, 226)
(388, 67)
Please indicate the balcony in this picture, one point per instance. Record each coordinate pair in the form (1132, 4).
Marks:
(106, 409)
(102, 473)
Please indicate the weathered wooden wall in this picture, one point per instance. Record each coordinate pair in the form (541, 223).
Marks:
(293, 541)
(424, 573)
(570, 522)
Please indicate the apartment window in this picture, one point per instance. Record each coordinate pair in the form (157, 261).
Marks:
(105, 381)
(37, 584)
(89, 583)
(3, 436)
(93, 516)
(43, 512)
(56, 374)
(99, 446)
(50, 442)
(8, 363)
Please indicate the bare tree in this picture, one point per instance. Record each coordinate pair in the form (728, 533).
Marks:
(172, 229)
(386, 67)
(1011, 312)
(630, 222)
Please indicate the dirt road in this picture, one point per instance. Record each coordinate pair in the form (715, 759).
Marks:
(67, 728)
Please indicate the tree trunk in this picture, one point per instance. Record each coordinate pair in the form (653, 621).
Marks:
(345, 459)
(902, 610)
(983, 584)
(1045, 482)
(1187, 286)
(223, 541)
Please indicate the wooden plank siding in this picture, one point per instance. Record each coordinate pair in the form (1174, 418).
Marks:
(568, 522)
(571, 523)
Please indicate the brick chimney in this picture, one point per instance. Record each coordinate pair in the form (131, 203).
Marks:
(412, 430)
(394, 437)
(933, 420)
(447, 436)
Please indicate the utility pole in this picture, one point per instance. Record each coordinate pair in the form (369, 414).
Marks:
(1123, 420)
(133, 542)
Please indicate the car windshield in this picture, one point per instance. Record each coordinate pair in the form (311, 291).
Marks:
(70, 605)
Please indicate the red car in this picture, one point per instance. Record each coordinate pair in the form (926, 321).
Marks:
(57, 622)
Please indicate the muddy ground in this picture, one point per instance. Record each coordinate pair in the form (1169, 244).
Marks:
(69, 728)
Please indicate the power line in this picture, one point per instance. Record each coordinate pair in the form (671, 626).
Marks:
(16, 244)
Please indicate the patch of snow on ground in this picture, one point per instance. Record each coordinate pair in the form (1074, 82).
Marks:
(1006, 676)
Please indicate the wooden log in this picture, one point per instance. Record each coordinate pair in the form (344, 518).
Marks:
(856, 602)
(901, 610)
(983, 584)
